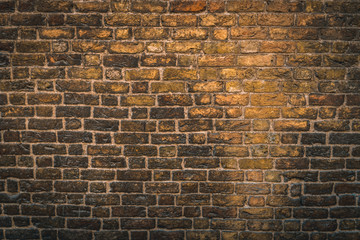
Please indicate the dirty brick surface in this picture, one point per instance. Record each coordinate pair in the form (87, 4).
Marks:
(180, 119)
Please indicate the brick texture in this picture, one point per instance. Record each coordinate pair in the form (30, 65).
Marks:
(180, 119)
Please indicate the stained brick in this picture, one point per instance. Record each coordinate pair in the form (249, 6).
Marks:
(179, 119)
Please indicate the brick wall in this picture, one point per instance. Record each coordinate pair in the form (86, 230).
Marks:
(179, 120)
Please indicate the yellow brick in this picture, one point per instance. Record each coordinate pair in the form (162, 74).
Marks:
(122, 19)
(183, 47)
(190, 33)
(248, 33)
(216, 61)
(270, 19)
(261, 86)
(291, 112)
(255, 163)
(330, 74)
(274, 73)
(203, 99)
(231, 151)
(277, 47)
(205, 112)
(233, 86)
(179, 74)
(85, 73)
(148, 6)
(212, 20)
(300, 86)
(151, 33)
(142, 74)
(278, 33)
(261, 138)
(291, 125)
(206, 87)
(261, 125)
(128, 47)
(237, 73)
(262, 113)
(58, 33)
(287, 151)
(220, 34)
(95, 33)
(233, 112)
(137, 101)
(297, 100)
(249, 46)
(232, 99)
(111, 87)
(247, 19)
(155, 47)
(88, 46)
(208, 74)
(178, 20)
(120, 6)
(221, 47)
(123, 33)
(268, 99)
(266, 60)
(92, 60)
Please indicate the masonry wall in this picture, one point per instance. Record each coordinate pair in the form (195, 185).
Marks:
(179, 120)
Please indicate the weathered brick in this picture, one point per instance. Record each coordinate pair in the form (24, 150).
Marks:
(25, 60)
(151, 33)
(28, 19)
(158, 60)
(205, 112)
(287, 151)
(92, 7)
(138, 150)
(301, 163)
(245, 6)
(121, 61)
(291, 125)
(103, 150)
(83, 20)
(286, 6)
(231, 151)
(102, 199)
(255, 163)
(193, 199)
(89, 46)
(72, 111)
(22, 233)
(70, 186)
(232, 125)
(59, 33)
(189, 6)
(275, 19)
(190, 33)
(178, 20)
(91, 33)
(344, 138)
(122, 19)
(164, 113)
(217, 20)
(137, 126)
(111, 87)
(243, 33)
(265, 113)
(145, 7)
(278, 160)
(143, 74)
